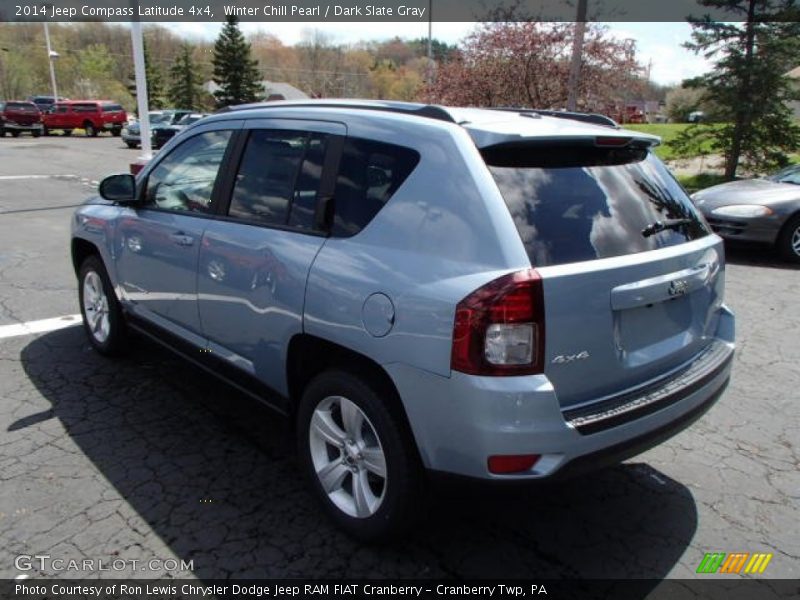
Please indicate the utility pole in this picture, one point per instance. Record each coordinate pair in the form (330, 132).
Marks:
(141, 89)
(429, 68)
(577, 57)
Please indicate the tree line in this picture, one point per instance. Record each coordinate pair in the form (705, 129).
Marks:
(510, 63)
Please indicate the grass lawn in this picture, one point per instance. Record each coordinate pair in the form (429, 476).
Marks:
(667, 132)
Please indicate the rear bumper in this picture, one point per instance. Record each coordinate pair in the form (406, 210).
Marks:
(458, 422)
(18, 127)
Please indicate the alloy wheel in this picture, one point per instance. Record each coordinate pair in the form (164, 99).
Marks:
(95, 307)
(348, 457)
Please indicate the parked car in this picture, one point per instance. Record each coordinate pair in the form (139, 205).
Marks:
(93, 116)
(164, 133)
(503, 296)
(18, 117)
(45, 103)
(697, 116)
(159, 119)
(757, 210)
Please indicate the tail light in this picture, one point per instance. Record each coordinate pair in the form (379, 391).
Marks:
(499, 328)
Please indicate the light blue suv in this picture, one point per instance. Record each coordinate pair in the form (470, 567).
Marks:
(499, 295)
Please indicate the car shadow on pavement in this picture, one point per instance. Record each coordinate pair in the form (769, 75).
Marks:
(213, 475)
(756, 255)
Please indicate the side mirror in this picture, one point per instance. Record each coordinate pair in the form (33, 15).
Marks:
(118, 188)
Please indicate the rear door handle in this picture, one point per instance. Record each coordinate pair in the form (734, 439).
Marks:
(182, 239)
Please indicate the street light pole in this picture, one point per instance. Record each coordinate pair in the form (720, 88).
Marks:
(51, 56)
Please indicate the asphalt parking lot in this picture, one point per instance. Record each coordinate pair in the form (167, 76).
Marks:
(149, 458)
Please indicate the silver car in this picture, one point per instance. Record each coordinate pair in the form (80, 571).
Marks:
(757, 210)
(502, 296)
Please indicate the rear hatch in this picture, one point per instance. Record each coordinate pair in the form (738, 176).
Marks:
(632, 277)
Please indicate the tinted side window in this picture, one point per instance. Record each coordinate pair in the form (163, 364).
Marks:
(304, 201)
(267, 175)
(184, 180)
(369, 174)
(84, 108)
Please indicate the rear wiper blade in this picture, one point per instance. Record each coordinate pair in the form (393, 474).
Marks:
(659, 226)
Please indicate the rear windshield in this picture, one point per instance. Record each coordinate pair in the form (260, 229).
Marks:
(22, 106)
(574, 204)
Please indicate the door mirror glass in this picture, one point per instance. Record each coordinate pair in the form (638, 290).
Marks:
(118, 188)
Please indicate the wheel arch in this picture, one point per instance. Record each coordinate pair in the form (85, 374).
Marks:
(308, 356)
(81, 249)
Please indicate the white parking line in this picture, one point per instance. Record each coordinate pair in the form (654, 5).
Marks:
(9, 177)
(42, 326)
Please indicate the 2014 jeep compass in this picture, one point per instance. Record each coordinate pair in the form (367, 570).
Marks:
(501, 295)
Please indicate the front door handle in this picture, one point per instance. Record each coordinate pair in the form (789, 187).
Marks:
(182, 239)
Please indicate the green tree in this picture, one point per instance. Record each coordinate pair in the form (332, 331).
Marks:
(747, 83)
(185, 90)
(155, 81)
(235, 71)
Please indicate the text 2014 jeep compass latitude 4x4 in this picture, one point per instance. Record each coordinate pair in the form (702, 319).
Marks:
(493, 294)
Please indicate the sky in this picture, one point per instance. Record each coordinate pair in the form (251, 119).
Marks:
(658, 44)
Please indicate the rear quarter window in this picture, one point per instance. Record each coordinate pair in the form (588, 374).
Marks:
(370, 173)
(84, 108)
(578, 204)
(112, 108)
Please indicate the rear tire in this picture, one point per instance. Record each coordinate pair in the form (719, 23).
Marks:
(361, 465)
(131, 145)
(36, 134)
(789, 240)
(45, 131)
(102, 315)
(15, 134)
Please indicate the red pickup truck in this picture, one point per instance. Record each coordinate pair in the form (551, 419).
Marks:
(93, 116)
(18, 117)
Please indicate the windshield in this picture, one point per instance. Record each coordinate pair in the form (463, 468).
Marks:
(189, 119)
(575, 204)
(159, 117)
(787, 175)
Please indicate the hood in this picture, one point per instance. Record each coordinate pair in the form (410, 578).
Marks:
(747, 191)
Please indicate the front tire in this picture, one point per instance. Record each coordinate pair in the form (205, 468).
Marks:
(116, 132)
(89, 130)
(361, 464)
(131, 145)
(102, 315)
(789, 240)
(67, 132)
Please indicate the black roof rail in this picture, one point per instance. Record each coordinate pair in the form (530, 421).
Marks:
(595, 118)
(429, 111)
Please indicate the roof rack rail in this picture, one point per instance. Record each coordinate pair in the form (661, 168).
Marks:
(595, 118)
(429, 111)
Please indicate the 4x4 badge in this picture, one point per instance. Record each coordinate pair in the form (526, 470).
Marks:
(563, 359)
